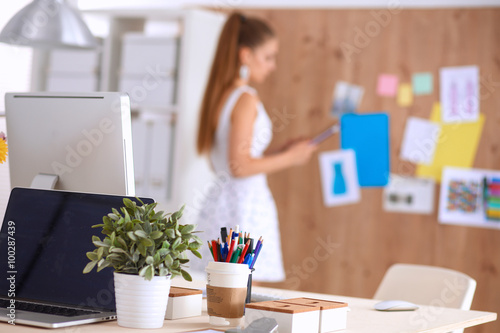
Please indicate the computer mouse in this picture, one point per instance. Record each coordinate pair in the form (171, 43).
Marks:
(395, 305)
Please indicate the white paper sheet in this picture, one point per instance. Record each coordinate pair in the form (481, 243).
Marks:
(419, 141)
(459, 93)
(339, 177)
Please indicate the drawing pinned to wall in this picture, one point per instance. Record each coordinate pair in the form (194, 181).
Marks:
(463, 135)
(470, 197)
(346, 98)
(459, 93)
(422, 83)
(387, 85)
(409, 195)
(339, 177)
(405, 95)
(419, 140)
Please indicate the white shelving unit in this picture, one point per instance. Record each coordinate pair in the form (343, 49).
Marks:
(172, 69)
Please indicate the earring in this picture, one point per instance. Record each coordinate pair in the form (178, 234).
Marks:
(244, 72)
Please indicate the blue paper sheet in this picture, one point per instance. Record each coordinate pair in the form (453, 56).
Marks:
(368, 136)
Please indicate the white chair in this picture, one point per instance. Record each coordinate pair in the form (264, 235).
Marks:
(427, 285)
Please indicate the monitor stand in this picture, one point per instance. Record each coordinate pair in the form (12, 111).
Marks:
(44, 181)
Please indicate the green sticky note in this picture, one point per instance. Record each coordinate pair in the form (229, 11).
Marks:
(422, 83)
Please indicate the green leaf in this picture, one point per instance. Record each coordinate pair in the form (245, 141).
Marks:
(165, 245)
(118, 250)
(103, 265)
(168, 260)
(156, 234)
(132, 236)
(92, 255)
(176, 243)
(181, 248)
(162, 252)
(142, 249)
(186, 275)
(89, 267)
(196, 253)
(197, 239)
(135, 256)
(149, 260)
(100, 252)
(141, 233)
(170, 233)
(147, 242)
(188, 228)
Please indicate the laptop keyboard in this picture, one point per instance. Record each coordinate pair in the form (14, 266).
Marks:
(48, 309)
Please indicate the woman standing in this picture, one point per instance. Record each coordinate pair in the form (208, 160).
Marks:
(234, 131)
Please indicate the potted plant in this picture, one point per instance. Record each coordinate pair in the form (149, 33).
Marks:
(146, 248)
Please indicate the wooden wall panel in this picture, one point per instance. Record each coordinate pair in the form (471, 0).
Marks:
(364, 239)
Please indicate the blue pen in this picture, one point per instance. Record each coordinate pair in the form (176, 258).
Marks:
(248, 259)
(257, 251)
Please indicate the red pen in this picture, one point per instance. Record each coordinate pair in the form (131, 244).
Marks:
(215, 250)
(231, 246)
(245, 249)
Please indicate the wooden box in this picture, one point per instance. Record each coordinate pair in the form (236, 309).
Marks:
(291, 318)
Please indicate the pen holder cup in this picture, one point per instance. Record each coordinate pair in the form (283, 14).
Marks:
(249, 287)
(226, 292)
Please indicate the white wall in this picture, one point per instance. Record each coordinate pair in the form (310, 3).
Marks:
(93, 4)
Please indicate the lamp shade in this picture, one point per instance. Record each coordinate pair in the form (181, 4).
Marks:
(48, 24)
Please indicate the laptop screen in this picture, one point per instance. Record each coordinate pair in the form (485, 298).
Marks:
(43, 243)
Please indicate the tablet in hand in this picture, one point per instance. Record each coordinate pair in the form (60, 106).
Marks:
(326, 134)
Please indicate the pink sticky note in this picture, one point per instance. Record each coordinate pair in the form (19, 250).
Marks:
(387, 85)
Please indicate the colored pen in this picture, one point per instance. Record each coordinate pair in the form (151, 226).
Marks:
(257, 251)
(245, 249)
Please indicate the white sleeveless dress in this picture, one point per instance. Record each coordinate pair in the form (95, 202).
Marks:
(247, 201)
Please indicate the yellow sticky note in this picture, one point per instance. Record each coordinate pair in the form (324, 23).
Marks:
(456, 146)
(405, 95)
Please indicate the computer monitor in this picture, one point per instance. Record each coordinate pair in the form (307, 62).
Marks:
(70, 141)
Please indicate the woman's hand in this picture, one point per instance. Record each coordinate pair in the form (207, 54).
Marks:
(300, 152)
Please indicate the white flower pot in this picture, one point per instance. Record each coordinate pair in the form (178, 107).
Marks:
(141, 303)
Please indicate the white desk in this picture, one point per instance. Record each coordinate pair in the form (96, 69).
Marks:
(361, 319)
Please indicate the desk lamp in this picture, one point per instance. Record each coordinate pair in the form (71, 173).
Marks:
(48, 24)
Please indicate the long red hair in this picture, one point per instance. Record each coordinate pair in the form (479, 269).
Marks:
(238, 31)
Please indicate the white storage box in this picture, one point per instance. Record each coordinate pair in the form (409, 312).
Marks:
(333, 315)
(183, 302)
(291, 318)
(148, 90)
(141, 53)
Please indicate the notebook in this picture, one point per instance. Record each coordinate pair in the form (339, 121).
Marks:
(368, 135)
(43, 243)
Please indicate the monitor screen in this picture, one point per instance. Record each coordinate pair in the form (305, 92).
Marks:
(85, 139)
(52, 238)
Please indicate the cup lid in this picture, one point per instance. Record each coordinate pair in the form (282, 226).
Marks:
(227, 268)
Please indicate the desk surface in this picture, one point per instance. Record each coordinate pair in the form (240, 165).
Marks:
(361, 319)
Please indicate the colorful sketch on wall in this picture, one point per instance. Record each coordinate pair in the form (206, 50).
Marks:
(459, 93)
(339, 177)
(346, 98)
(470, 197)
(409, 195)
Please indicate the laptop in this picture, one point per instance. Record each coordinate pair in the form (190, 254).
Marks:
(43, 243)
